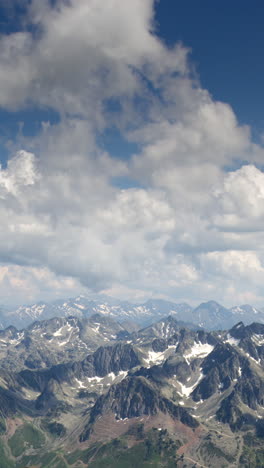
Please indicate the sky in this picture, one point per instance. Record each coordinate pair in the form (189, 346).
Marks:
(131, 150)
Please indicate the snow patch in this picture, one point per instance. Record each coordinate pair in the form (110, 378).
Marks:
(112, 376)
(63, 343)
(17, 340)
(253, 359)
(58, 332)
(158, 357)
(80, 383)
(80, 306)
(258, 339)
(199, 350)
(231, 340)
(94, 380)
(186, 391)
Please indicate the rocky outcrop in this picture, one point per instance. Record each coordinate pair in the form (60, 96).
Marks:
(106, 360)
(221, 367)
(135, 397)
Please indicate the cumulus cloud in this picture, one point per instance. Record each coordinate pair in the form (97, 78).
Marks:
(18, 175)
(85, 54)
(241, 198)
(188, 228)
(29, 283)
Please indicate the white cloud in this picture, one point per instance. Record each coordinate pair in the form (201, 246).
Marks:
(234, 263)
(87, 53)
(19, 174)
(241, 196)
(188, 230)
(22, 285)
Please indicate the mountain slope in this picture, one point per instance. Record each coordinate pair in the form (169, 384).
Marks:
(199, 395)
(56, 340)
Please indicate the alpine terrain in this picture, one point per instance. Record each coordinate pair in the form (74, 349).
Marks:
(209, 315)
(87, 391)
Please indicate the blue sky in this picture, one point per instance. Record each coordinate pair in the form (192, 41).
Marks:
(227, 40)
(131, 142)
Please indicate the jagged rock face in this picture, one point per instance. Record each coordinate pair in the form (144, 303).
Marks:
(229, 411)
(164, 330)
(256, 352)
(165, 370)
(177, 366)
(153, 374)
(240, 331)
(114, 359)
(132, 398)
(106, 360)
(186, 338)
(257, 328)
(221, 367)
(223, 356)
(251, 339)
(48, 397)
(251, 389)
(164, 375)
(51, 342)
(159, 345)
(37, 380)
(209, 385)
(135, 397)
(9, 332)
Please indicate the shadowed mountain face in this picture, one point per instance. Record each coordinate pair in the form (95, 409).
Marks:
(90, 381)
(135, 397)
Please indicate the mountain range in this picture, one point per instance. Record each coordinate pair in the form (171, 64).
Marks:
(86, 391)
(209, 315)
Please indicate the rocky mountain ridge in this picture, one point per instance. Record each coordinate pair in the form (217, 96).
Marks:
(202, 386)
(209, 315)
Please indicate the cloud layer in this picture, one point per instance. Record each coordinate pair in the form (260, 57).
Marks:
(189, 226)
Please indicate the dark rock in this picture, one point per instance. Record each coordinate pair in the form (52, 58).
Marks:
(135, 397)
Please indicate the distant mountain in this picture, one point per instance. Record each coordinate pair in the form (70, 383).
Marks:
(247, 314)
(81, 306)
(212, 316)
(209, 315)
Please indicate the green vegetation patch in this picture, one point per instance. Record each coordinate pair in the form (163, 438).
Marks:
(2, 426)
(209, 448)
(157, 449)
(253, 452)
(25, 437)
(49, 460)
(4, 461)
(56, 462)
